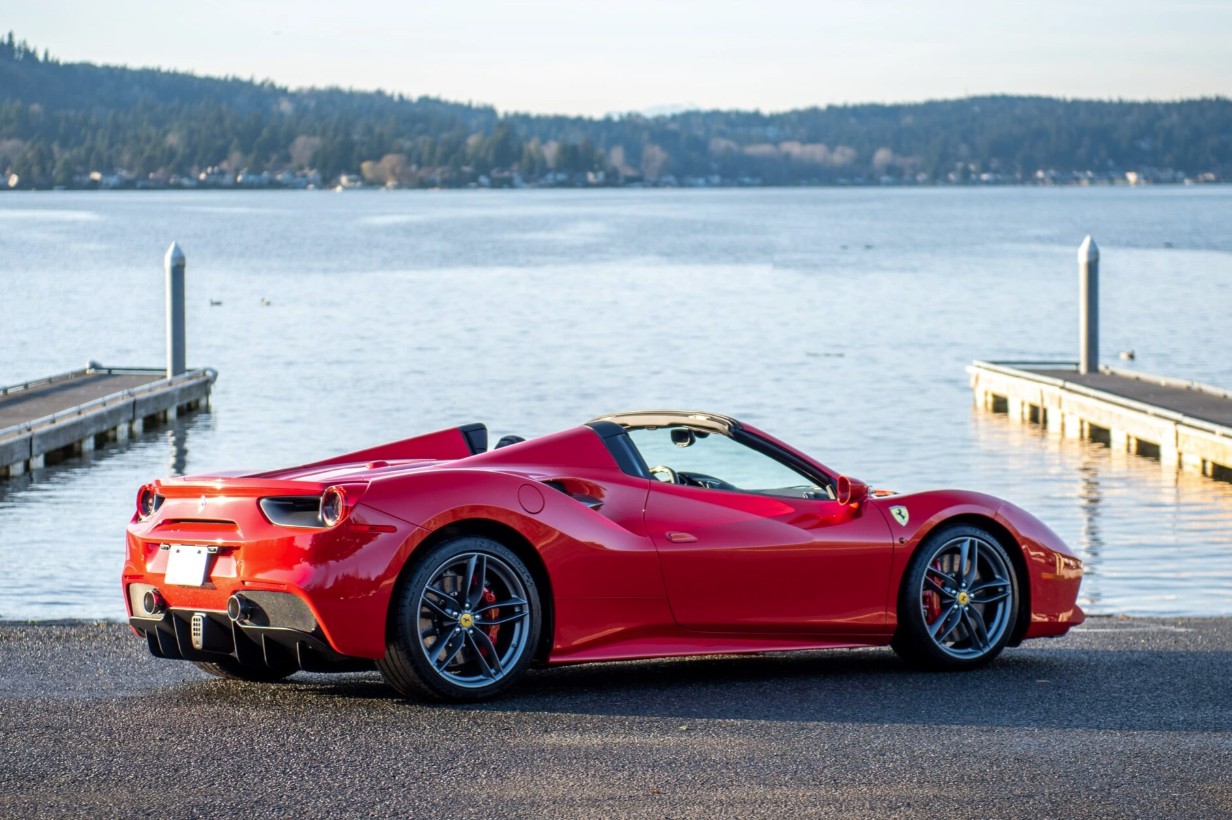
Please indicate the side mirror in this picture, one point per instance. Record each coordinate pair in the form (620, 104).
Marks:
(851, 492)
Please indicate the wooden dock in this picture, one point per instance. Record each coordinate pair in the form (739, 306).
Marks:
(1183, 424)
(46, 420)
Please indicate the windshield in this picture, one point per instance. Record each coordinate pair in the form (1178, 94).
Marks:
(677, 454)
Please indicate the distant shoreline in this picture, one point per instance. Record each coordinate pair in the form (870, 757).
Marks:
(1092, 183)
(83, 126)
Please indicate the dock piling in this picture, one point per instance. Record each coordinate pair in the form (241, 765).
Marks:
(175, 263)
(1088, 306)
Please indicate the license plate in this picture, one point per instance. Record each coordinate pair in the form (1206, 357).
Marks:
(186, 566)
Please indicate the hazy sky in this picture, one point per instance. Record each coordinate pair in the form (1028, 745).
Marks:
(582, 57)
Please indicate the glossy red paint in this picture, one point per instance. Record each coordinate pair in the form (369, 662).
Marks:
(814, 567)
(628, 567)
(1055, 573)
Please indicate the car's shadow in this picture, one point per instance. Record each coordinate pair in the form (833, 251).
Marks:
(1056, 688)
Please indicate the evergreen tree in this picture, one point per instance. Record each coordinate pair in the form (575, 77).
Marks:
(59, 122)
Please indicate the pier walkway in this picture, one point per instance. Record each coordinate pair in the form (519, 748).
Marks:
(1183, 424)
(48, 419)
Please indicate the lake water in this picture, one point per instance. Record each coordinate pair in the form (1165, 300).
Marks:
(839, 320)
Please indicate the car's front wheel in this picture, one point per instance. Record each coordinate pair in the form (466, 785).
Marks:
(959, 600)
(464, 623)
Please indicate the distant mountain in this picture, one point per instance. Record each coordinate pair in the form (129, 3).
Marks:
(83, 125)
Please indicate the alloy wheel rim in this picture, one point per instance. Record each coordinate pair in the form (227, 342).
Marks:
(966, 597)
(473, 620)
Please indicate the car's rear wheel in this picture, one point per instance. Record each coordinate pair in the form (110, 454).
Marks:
(234, 670)
(959, 600)
(464, 623)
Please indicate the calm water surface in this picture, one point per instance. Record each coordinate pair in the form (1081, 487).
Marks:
(840, 320)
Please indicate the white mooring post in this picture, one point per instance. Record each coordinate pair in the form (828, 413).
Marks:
(1088, 306)
(175, 263)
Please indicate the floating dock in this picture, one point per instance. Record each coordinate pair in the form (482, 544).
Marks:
(1183, 424)
(46, 420)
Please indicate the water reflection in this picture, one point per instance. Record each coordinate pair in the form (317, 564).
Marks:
(177, 437)
(63, 525)
(1154, 541)
(1091, 543)
(1089, 493)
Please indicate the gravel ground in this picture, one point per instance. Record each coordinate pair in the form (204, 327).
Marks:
(1122, 718)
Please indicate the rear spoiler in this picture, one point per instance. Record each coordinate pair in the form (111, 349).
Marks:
(443, 445)
(243, 487)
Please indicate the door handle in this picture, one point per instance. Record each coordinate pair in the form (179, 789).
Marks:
(681, 537)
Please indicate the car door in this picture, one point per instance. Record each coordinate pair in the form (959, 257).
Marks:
(749, 544)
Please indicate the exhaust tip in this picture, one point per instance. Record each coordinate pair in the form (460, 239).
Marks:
(239, 610)
(153, 603)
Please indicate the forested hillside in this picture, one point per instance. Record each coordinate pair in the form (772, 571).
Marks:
(83, 125)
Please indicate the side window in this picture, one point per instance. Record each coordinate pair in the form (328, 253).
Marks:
(680, 455)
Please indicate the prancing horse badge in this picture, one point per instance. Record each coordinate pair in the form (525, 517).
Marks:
(900, 515)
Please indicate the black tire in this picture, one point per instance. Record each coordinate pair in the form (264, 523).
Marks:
(232, 669)
(959, 600)
(464, 622)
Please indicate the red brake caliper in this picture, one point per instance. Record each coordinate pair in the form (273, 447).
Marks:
(932, 601)
(489, 597)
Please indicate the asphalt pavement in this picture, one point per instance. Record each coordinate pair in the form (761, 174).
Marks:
(1121, 718)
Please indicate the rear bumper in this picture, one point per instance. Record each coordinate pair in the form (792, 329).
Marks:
(332, 587)
(277, 630)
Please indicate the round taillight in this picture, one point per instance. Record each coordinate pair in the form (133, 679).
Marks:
(333, 506)
(147, 502)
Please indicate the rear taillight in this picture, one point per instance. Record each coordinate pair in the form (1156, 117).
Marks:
(148, 502)
(333, 506)
(328, 509)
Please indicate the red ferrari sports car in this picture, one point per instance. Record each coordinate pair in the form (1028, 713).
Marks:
(453, 568)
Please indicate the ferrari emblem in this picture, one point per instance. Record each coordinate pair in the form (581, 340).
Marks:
(900, 515)
(201, 505)
(466, 621)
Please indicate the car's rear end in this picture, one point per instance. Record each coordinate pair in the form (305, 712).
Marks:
(262, 574)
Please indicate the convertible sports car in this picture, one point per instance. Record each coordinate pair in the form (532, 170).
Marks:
(453, 568)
